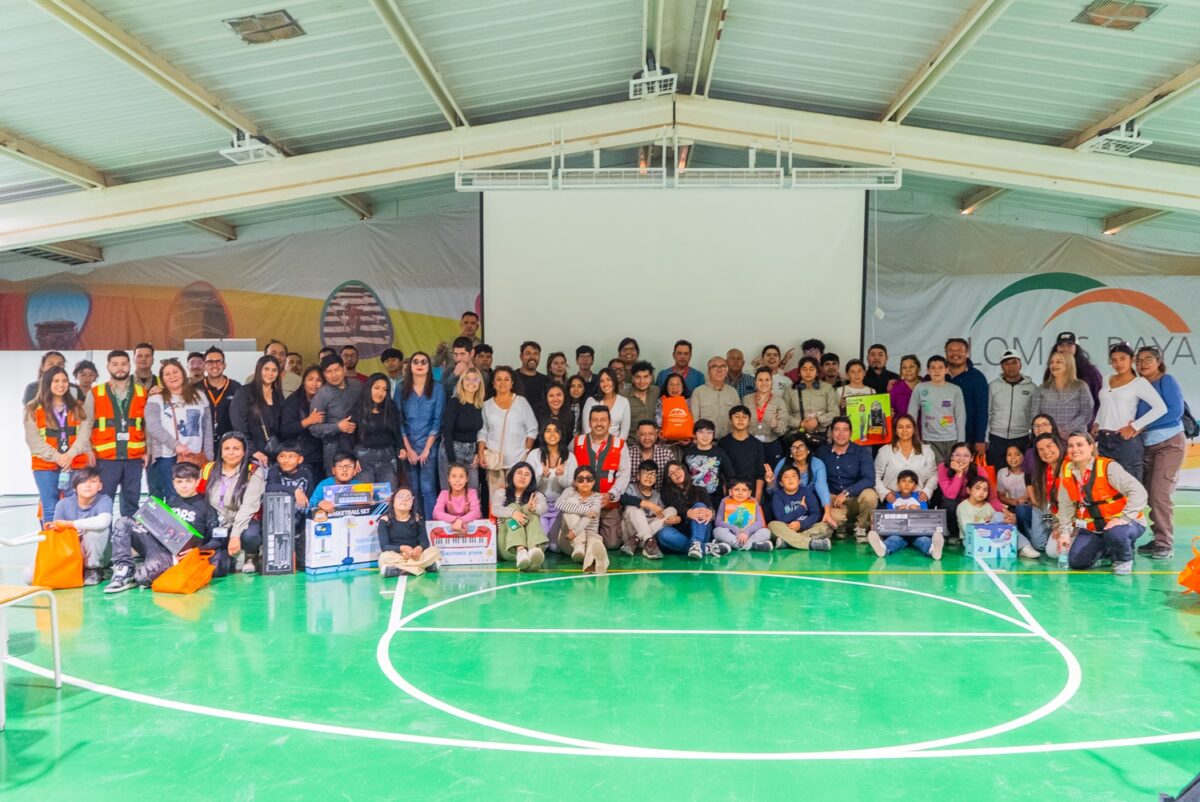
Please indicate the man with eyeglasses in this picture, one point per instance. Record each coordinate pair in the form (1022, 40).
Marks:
(713, 399)
(220, 390)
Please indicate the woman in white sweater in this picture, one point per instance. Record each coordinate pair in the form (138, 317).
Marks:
(509, 430)
(618, 405)
(1117, 423)
(905, 454)
(553, 465)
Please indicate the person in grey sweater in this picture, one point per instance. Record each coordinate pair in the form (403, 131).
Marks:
(337, 399)
(1099, 526)
(938, 406)
(1012, 400)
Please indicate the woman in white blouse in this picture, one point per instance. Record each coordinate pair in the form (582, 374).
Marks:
(1117, 425)
(905, 454)
(553, 467)
(618, 405)
(509, 430)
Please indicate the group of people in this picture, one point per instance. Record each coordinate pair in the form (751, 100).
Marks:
(740, 457)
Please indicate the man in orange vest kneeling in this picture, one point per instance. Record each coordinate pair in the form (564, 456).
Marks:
(1102, 504)
(117, 410)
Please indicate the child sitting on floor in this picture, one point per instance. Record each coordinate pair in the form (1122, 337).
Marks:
(907, 498)
(345, 468)
(798, 512)
(642, 513)
(403, 542)
(740, 523)
(580, 531)
(458, 505)
(89, 513)
(975, 509)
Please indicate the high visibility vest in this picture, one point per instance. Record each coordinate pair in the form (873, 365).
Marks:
(605, 463)
(48, 430)
(108, 429)
(1096, 501)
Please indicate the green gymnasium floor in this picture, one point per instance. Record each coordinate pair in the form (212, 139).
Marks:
(792, 675)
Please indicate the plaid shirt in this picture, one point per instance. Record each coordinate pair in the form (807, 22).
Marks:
(661, 453)
(744, 385)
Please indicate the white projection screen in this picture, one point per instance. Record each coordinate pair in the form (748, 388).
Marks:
(722, 268)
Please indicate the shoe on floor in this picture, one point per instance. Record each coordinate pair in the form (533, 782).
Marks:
(577, 553)
(1158, 553)
(390, 572)
(764, 545)
(860, 535)
(1029, 553)
(819, 544)
(248, 566)
(536, 558)
(876, 543)
(522, 559)
(938, 544)
(629, 547)
(695, 551)
(650, 549)
(92, 576)
(1147, 549)
(1123, 568)
(122, 580)
(432, 569)
(721, 549)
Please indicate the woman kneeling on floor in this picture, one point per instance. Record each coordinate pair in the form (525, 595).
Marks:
(403, 541)
(518, 508)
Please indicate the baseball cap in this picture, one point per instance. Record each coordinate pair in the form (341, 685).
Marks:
(1009, 354)
(1067, 337)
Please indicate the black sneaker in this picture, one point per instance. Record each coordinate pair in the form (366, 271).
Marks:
(1161, 553)
(1147, 549)
(764, 545)
(819, 544)
(122, 580)
(390, 572)
(92, 576)
(630, 545)
(432, 569)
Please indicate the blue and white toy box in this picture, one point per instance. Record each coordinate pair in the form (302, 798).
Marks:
(992, 541)
(342, 543)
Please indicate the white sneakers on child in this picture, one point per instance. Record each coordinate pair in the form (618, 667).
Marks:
(876, 543)
(1029, 553)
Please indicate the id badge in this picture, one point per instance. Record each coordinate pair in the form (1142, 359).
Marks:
(220, 533)
(122, 436)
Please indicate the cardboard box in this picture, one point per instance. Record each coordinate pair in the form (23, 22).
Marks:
(991, 541)
(477, 548)
(343, 542)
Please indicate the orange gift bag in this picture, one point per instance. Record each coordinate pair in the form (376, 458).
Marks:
(193, 571)
(677, 419)
(1189, 577)
(59, 560)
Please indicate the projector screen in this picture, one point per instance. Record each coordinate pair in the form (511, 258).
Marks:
(721, 268)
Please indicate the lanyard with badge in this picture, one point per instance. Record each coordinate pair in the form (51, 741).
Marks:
(122, 408)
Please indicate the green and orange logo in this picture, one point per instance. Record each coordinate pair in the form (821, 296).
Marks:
(1086, 290)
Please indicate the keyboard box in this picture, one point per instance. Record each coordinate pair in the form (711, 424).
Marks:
(477, 548)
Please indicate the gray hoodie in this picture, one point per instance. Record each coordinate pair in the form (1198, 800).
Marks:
(1011, 407)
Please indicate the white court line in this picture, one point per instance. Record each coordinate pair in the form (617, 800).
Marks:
(776, 633)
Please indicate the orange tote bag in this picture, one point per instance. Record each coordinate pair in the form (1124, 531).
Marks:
(677, 419)
(59, 560)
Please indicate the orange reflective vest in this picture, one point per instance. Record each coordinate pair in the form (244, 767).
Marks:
(48, 430)
(114, 436)
(1096, 501)
(605, 462)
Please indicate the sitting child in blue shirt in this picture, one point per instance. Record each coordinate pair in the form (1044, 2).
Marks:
(907, 499)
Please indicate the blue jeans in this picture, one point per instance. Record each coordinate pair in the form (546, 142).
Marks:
(923, 544)
(1031, 524)
(1117, 542)
(47, 487)
(161, 470)
(423, 481)
(672, 540)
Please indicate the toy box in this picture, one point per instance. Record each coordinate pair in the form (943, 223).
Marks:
(278, 533)
(991, 541)
(477, 548)
(908, 523)
(344, 542)
(363, 494)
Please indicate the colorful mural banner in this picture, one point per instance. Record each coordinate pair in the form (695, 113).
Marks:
(401, 282)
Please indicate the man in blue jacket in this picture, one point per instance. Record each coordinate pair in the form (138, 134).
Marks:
(962, 372)
(850, 473)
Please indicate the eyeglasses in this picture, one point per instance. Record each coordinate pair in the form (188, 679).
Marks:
(418, 362)
(585, 479)
(214, 361)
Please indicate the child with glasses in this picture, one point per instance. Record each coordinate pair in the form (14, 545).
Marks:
(580, 533)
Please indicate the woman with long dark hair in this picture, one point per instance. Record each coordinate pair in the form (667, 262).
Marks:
(178, 423)
(378, 433)
(234, 485)
(518, 508)
(690, 530)
(813, 403)
(509, 430)
(555, 408)
(556, 367)
(553, 465)
(1120, 419)
(298, 415)
(607, 393)
(257, 409)
(955, 477)
(905, 454)
(423, 402)
(1036, 519)
(576, 397)
(58, 433)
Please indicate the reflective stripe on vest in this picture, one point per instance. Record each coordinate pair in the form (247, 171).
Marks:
(1096, 501)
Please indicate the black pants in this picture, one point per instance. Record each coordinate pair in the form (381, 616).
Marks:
(125, 474)
(951, 507)
(998, 446)
(1130, 453)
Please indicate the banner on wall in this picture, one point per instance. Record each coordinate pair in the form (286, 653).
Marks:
(401, 282)
(1103, 293)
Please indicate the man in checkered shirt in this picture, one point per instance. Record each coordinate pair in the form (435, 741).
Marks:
(646, 446)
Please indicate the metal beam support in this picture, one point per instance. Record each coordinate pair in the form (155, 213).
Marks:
(976, 199)
(1129, 218)
(1156, 101)
(710, 40)
(968, 30)
(333, 172)
(976, 159)
(217, 226)
(99, 30)
(75, 249)
(359, 204)
(42, 158)
(402, 32)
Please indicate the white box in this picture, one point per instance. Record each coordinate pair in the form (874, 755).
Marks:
(477, 548)
(341, 543)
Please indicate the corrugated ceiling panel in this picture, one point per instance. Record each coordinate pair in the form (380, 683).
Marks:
(850, 57)
(63, 92)
(1176, 132)
(20, 181)
(345, 81)
(512, 57)
(1039, 77)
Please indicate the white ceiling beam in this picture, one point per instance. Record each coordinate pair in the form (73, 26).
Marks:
(333, 172)
(402, 32)
(99, 30)
(359, 204)
(217, 226)
(1156, 101)
(968, 30)
(976, 199)
(974, 159)
(713, 24)
(56, 164)
(1128, 218)
(75, 249)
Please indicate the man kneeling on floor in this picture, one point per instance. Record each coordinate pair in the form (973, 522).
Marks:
(189, 507)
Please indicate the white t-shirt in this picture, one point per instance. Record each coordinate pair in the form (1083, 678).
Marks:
(1119, 405)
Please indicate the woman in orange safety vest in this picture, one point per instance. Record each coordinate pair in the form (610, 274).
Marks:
(58, 434)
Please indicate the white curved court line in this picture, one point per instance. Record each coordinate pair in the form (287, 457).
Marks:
(1074, 679)
(773, 633)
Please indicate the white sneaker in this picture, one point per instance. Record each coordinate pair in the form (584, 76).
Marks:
(1123, 568)
(522, 559)
(939, 543)
(876, 542)
(860, 535)
(1029, 553)
(536, 558)
(248, 566)
(578, 553)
